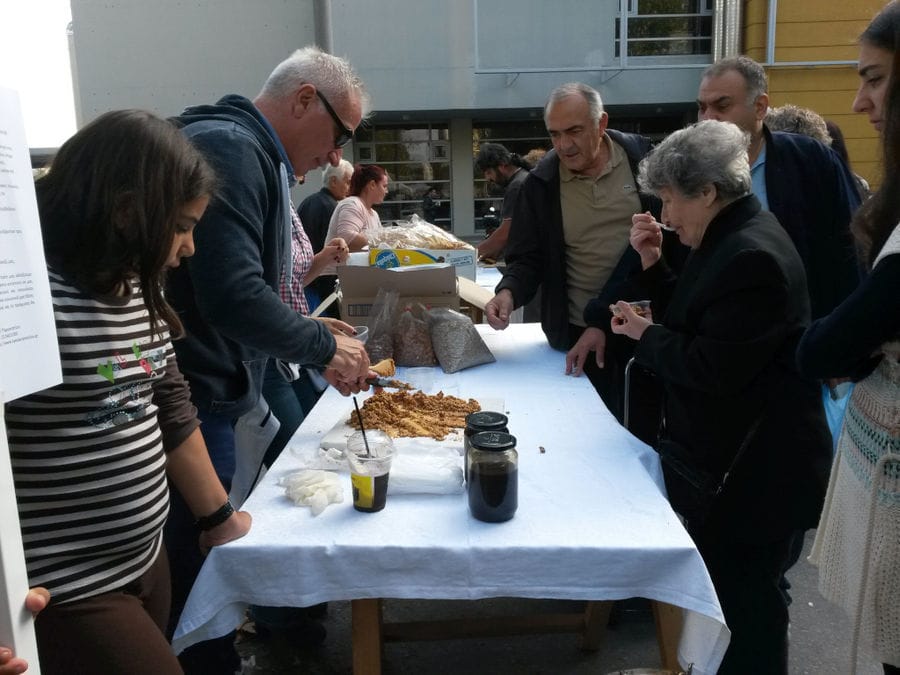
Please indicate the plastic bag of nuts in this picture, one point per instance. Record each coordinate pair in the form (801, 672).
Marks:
(456, 342)
(380, 344)
(412, 342)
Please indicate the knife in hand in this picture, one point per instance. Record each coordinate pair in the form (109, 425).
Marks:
(387, 382)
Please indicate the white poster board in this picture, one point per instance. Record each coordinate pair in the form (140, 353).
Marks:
(29, 355)
(16, 623)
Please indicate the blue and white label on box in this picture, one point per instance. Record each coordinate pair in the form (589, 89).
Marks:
(461, 259)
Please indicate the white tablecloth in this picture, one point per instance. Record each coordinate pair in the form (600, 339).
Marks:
(592, 523)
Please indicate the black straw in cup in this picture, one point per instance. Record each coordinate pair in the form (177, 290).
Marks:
(361, 426)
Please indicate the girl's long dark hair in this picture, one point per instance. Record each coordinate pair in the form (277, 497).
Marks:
(110, 202)
(879, 215)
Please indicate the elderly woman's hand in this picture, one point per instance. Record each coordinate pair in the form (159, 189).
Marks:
(646, 238)
(627, 322)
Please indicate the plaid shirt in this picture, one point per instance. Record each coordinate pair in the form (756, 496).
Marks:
(301, 258)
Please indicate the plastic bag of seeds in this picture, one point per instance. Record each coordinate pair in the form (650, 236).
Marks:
(380, 344)
(412, 343)
(456, 342)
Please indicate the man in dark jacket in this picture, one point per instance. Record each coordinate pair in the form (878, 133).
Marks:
(228, 296)
(506, 170)
(800, 180)
(315, 214)
(315, 211)
(570, 234)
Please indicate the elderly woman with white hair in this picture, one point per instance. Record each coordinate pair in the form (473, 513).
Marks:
(744, 445)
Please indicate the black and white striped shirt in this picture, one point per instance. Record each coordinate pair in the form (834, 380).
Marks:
(88, 455)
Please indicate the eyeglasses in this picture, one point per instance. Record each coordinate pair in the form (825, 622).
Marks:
(344, 134)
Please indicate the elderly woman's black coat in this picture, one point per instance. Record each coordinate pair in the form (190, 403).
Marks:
(724, 350)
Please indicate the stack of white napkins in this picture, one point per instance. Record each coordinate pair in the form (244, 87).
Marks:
(422, 466)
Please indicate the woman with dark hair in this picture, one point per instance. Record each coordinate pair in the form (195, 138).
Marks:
(745, 450)
(355, 214)
(91, 456)
(857, 545)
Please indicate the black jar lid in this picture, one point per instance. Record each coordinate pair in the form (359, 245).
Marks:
(493, 441)
(486, 420)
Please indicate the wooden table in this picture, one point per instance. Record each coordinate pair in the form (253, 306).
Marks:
(370, 632)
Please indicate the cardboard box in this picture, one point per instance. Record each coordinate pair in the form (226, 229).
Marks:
(463, 259)
(432, 285)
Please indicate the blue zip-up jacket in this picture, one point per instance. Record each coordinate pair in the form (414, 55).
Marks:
(227, 293)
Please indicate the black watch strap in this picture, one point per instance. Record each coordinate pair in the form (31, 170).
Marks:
(217, 517)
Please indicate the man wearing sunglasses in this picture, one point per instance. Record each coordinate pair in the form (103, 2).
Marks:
(228, 297)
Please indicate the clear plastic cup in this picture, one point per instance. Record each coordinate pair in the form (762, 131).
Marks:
(362, 333)
(640, 307)
(370, 470)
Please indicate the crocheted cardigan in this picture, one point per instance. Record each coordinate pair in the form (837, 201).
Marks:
(857, 545)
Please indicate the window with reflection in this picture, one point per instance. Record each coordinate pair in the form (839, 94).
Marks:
(417, 159)
(667, 28)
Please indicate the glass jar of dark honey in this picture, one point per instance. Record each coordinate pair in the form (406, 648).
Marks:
(493, 483)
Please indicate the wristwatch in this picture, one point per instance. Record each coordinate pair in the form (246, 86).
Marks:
(216, 518)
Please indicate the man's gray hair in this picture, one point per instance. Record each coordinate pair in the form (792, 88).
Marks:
(344, 169)
(798, 120)
(331, 75)
(588, 93)
(754, 74)
(691, 158)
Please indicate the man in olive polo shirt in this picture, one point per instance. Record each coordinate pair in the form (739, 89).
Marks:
(570, 234)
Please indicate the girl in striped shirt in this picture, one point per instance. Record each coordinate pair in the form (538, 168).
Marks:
(93, 456)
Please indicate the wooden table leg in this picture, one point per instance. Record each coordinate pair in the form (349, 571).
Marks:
(596, 618)
(366, 633)
(669, 622)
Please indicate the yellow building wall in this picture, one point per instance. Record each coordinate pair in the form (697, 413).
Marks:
(813, 31)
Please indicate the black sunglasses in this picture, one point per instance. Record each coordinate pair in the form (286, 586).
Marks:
(344, 135)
